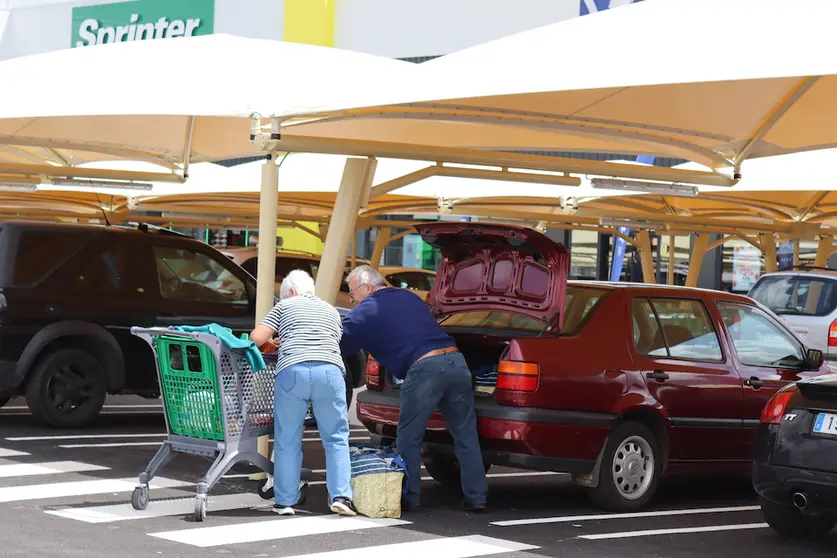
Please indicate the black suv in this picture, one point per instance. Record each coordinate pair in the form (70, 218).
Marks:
(69, 295)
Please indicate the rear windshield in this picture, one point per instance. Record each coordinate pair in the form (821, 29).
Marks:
(797, 295)
(31, 255)
(579, 305)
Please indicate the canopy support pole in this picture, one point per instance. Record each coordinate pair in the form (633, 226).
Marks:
(696, 261)
(768, 249)
(670, 277)
(266, 271)
(381, 242)
(354, 188)
(825, 243)
(643, 243)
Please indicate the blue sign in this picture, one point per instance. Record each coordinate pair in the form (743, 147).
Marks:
(593, 6)
(618, 254)
(785, 255)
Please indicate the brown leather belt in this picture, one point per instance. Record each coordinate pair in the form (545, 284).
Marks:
(438, 352)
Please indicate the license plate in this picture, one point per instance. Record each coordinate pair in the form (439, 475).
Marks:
(826, 423)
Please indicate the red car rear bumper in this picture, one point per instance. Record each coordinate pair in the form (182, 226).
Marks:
(540, 439)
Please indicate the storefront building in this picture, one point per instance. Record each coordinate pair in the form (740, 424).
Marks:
(407, 30)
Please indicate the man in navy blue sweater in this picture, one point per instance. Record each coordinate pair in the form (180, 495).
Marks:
(397, 328)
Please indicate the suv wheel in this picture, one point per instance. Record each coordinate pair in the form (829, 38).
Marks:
(630, 469)
(67, 389)
(790, 522)
(445, 469)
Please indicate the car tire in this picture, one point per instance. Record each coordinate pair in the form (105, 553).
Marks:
(445, 469)
(3, 401)
(630, 469)
(790, 522)
(69, 378)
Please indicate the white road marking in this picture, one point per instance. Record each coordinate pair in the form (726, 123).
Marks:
(52, 468)
(206, 537)
(678, 531)
(82, 437)
(453, 547)
(631, 515)
(11, 453)
(160, 508)
(139, 444)
(80, 488)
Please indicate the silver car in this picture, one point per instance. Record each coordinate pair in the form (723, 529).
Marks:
(807, 301)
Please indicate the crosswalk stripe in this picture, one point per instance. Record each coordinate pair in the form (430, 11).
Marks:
(676, 531)
(50, 468)
(11, 453)
(162, 508)
(206, 537)
(453, 547)
(628, 515)
(79, 488)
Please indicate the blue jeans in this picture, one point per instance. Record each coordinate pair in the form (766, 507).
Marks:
(442, 381)
(323, 385)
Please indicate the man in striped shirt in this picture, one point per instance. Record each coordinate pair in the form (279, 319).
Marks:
(309, 369)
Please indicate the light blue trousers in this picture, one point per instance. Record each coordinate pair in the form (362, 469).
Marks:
(324, 386)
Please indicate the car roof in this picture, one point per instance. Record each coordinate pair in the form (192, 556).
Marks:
(668, 289)
(133, 228)
(399, 269)
(827, 273)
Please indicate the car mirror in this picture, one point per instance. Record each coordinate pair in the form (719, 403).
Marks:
(813, 359)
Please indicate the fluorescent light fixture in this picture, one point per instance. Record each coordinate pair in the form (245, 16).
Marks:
(22, 187)
(615, 223)
(101, 183)
(662, 188)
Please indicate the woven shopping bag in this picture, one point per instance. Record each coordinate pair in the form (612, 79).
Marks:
(378, 475)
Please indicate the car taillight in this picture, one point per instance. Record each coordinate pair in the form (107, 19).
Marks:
(832, 334)
(517, 376)
(775, 408)
(373, 374)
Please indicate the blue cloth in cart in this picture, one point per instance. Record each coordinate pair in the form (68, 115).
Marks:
(251, 351)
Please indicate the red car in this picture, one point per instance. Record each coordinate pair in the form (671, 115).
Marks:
(615, 383)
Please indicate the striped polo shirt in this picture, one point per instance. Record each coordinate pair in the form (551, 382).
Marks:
(309, 330)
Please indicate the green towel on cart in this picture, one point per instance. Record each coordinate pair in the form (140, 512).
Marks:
(251, 352)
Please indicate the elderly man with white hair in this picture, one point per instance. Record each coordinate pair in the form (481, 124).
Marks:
(309, 370)
(398, 329)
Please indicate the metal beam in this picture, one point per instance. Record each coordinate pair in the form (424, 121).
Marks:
(26, 169)
(643, 244)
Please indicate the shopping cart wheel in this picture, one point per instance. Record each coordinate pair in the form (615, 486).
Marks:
(200, 508)
(265, 488)
(139, 498)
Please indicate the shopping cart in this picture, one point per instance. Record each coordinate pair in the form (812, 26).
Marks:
(215, 405)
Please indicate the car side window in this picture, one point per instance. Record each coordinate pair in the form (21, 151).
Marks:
(758, 341)
(683, 330)
(646, 334)
(190, 275)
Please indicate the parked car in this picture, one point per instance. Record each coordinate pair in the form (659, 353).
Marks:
(69, 295)
(795, 464)
(617, 384)
(420, 281)
(805, 298)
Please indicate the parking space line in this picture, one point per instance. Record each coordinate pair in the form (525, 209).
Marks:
(676, 531)
(4, 452)
(80, 488)
(205, 537)
(630, 515)
(52, 468)
(452, 547)
(159, 508)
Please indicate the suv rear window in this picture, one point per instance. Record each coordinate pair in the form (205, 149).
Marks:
(40, 252)
(798, 295)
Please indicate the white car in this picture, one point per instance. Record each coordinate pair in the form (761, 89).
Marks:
(807, 301)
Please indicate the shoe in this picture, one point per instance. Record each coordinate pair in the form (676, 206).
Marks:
(343, 506)
(474, 508)
(283, 510)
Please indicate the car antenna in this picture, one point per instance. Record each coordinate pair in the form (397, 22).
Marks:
(102, 209)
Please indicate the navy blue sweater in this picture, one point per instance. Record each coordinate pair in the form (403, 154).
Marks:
(394, 326)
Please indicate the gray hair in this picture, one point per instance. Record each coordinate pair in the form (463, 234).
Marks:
(365, 275)
(299, 281)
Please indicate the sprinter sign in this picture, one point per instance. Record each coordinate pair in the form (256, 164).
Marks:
(141, 20)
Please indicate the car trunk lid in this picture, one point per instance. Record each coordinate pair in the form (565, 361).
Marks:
(497, 267)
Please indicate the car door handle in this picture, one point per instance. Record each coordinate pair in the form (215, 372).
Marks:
(754, 382)
(657, 375)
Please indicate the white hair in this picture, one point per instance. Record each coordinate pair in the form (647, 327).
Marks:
(299, 281)
(365, 275)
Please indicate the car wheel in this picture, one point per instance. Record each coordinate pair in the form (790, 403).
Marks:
(67, 389)
(3, 401)
(790, 522)
(630, 469)
(445, 469)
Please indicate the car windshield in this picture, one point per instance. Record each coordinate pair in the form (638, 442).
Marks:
(798, 295)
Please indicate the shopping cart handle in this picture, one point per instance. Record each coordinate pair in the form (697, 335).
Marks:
(163, 331)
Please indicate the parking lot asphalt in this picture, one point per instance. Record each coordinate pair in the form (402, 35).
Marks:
(67, 493)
